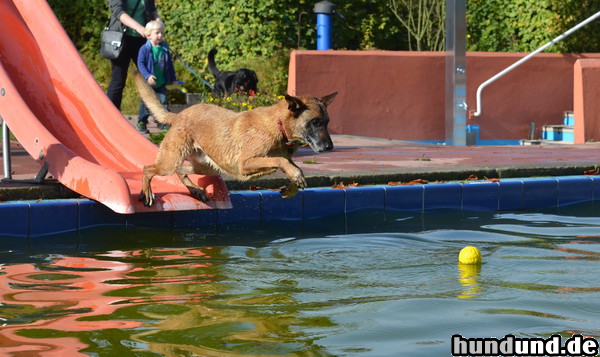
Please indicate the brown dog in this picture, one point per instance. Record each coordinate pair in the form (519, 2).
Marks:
(243, 145)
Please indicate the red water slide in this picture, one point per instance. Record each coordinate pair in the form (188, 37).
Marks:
(58, 112)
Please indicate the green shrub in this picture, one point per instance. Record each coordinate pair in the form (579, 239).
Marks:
(524, 25)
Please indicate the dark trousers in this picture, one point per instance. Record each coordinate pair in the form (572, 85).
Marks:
(120, 66)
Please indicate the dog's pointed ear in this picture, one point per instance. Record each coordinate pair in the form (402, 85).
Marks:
(328, 98)
(295, 105)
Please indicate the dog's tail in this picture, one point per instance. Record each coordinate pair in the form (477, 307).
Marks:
(212, 66)
(151, 100)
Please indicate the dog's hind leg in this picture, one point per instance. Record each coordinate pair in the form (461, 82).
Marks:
(196, 191)
(166, 163)
(147, 196)
(199, 165)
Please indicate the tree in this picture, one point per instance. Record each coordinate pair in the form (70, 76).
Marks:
(424, 22)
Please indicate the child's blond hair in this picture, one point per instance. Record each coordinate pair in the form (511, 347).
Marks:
(154, 25)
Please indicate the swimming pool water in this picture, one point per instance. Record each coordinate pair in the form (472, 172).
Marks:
(394, 289)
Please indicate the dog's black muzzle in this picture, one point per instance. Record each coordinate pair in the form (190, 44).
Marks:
(321, 143)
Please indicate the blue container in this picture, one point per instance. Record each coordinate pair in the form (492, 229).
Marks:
(324, 10)
(569, 118)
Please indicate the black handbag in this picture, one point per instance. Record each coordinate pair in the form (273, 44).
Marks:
(111, 38)
(112, 43)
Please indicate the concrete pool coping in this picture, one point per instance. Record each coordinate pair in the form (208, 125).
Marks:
(529, 177)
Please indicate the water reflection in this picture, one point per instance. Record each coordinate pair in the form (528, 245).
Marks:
(160, 300)
(55, 295)
(468, 276)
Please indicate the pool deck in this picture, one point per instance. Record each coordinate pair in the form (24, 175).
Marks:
(367, 161)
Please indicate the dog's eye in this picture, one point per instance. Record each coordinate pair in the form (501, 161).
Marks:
(317, 122)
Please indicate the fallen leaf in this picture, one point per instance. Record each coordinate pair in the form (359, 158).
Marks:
(312, 161)
(472, 177)
(256, 188)
(342, 186)
(423, 158)
(591, 172)
(413, 182)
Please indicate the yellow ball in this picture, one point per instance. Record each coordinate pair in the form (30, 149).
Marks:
(469, 255)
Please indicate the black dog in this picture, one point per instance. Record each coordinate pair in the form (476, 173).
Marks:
(242, 80)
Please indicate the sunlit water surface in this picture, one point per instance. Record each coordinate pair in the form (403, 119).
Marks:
(397, 292)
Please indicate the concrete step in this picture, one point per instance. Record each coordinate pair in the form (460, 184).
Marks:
(558, 133)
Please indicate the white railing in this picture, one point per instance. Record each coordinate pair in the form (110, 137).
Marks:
(526, 58)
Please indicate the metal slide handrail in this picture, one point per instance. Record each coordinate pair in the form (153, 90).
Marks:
(41, 175)
(526, 58)
(6, 151)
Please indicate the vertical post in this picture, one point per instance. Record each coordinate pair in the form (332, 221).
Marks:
(324, 10)
(456, 90)
(6, 150)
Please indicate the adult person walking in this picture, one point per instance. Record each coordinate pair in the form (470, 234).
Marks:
(132, 15)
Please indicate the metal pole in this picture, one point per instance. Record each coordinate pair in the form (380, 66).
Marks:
(526, 58)
(324, 10)
(456, 89)
(323, 32)
(6, 151)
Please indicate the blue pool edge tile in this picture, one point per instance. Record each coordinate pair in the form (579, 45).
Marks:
(264, 207)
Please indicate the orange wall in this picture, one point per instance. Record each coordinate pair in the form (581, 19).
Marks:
(587, 100)
(401, 95)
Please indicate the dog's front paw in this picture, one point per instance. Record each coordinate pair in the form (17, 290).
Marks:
(301, 182)
(298, 179)
(147, 199)
(199, 194)
(290, 191)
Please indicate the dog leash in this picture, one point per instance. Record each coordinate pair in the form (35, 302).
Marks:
(176, 56)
